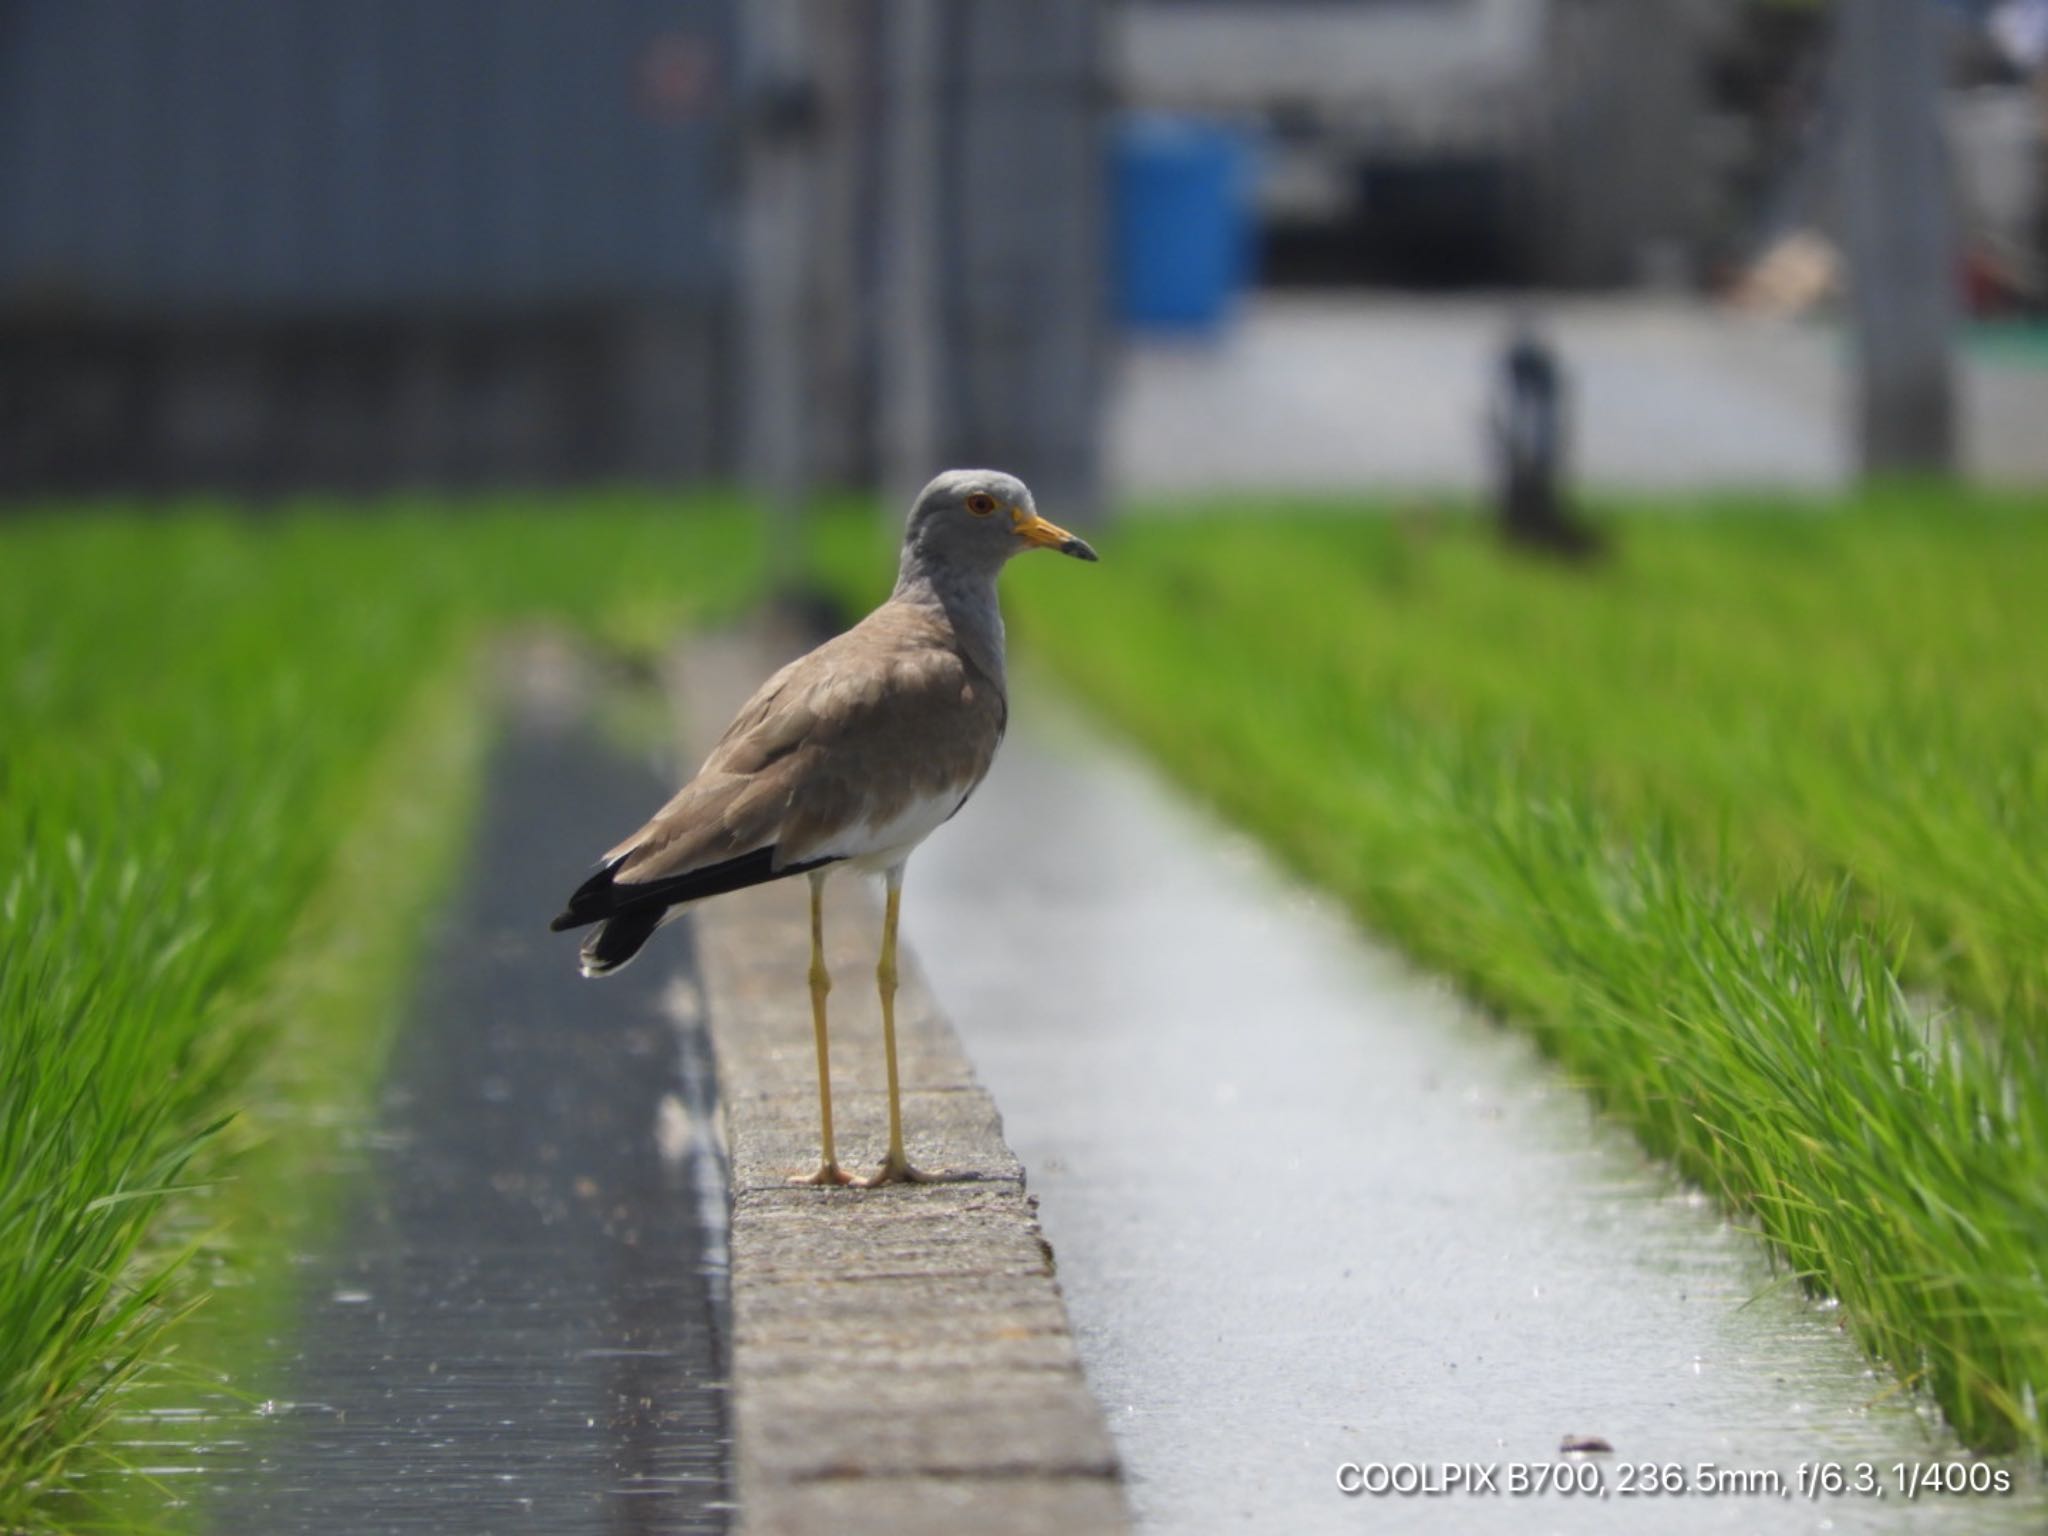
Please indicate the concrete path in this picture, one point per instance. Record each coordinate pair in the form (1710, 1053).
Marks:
(514, 1327)
(901, 1361)
(1311, 1212)
(1388, 394)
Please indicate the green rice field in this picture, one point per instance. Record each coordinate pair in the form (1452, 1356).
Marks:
(235, 757)
(1748, 825)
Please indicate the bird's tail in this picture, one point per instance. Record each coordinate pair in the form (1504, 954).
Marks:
(627, 912)
(618, 939)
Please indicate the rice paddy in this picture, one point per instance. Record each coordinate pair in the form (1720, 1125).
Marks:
(231, 754)
(1749, 826)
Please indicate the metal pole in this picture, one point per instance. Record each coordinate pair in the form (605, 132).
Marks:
(780, 120)
(1899, 234)
(908, 361)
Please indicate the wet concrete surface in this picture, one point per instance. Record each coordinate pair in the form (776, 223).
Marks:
(900, 1359)
(1327, 392)
(516, 1325)
(1309, 1211)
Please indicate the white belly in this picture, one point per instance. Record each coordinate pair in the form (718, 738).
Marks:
(882, 845)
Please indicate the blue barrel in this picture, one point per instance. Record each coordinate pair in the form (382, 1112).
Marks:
(1183, 222)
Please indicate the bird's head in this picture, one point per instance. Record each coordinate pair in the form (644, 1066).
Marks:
(975, 519)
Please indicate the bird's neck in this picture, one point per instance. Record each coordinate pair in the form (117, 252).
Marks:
(967, 601)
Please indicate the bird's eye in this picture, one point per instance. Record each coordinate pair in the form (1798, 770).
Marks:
(981, 504)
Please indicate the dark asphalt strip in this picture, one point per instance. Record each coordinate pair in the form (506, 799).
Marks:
(518, 1323)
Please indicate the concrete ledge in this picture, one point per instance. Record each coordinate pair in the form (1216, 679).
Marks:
(901, 1360)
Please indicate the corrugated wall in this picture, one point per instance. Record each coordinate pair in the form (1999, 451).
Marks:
(343, 153)
(440, 224)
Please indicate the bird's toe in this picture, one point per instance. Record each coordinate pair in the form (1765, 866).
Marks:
(828, 1174)
(906, 1172)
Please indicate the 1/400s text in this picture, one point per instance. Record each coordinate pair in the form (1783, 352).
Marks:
(1576, 1477)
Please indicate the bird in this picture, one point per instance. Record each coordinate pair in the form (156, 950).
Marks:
(849, 757)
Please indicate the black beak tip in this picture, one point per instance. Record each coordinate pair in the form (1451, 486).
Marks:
(1080, 549)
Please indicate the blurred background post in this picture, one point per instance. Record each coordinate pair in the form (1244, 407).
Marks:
(1896, 214)
(780, 163)
(992, 250)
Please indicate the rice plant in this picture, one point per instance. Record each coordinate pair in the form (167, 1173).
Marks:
(1748, 826)
(191, 708)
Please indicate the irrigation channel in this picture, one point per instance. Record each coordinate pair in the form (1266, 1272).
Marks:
(1310, 1212)
(515, 1324)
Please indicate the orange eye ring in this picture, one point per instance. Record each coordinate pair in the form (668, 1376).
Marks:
(981, 504)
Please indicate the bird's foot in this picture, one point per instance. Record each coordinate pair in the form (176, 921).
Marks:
(900, 1170)
(827, 1175)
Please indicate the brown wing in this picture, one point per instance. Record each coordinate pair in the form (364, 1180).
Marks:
(872, 723)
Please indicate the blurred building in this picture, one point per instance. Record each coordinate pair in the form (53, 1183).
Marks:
(261, 243)
(958, 295)
(264, 244)
(1449, 142)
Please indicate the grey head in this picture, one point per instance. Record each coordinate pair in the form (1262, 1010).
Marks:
(968, 522)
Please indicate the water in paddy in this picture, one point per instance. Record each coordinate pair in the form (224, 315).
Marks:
(1309, 1212)
(514, 1320)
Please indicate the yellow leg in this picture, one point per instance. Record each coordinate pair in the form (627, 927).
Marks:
(829, 1171)
(896, 1167)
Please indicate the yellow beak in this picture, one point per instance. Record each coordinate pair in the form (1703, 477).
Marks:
(1034, 529)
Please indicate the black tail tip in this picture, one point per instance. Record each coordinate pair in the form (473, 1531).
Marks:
(619, 939)
(592, 901)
